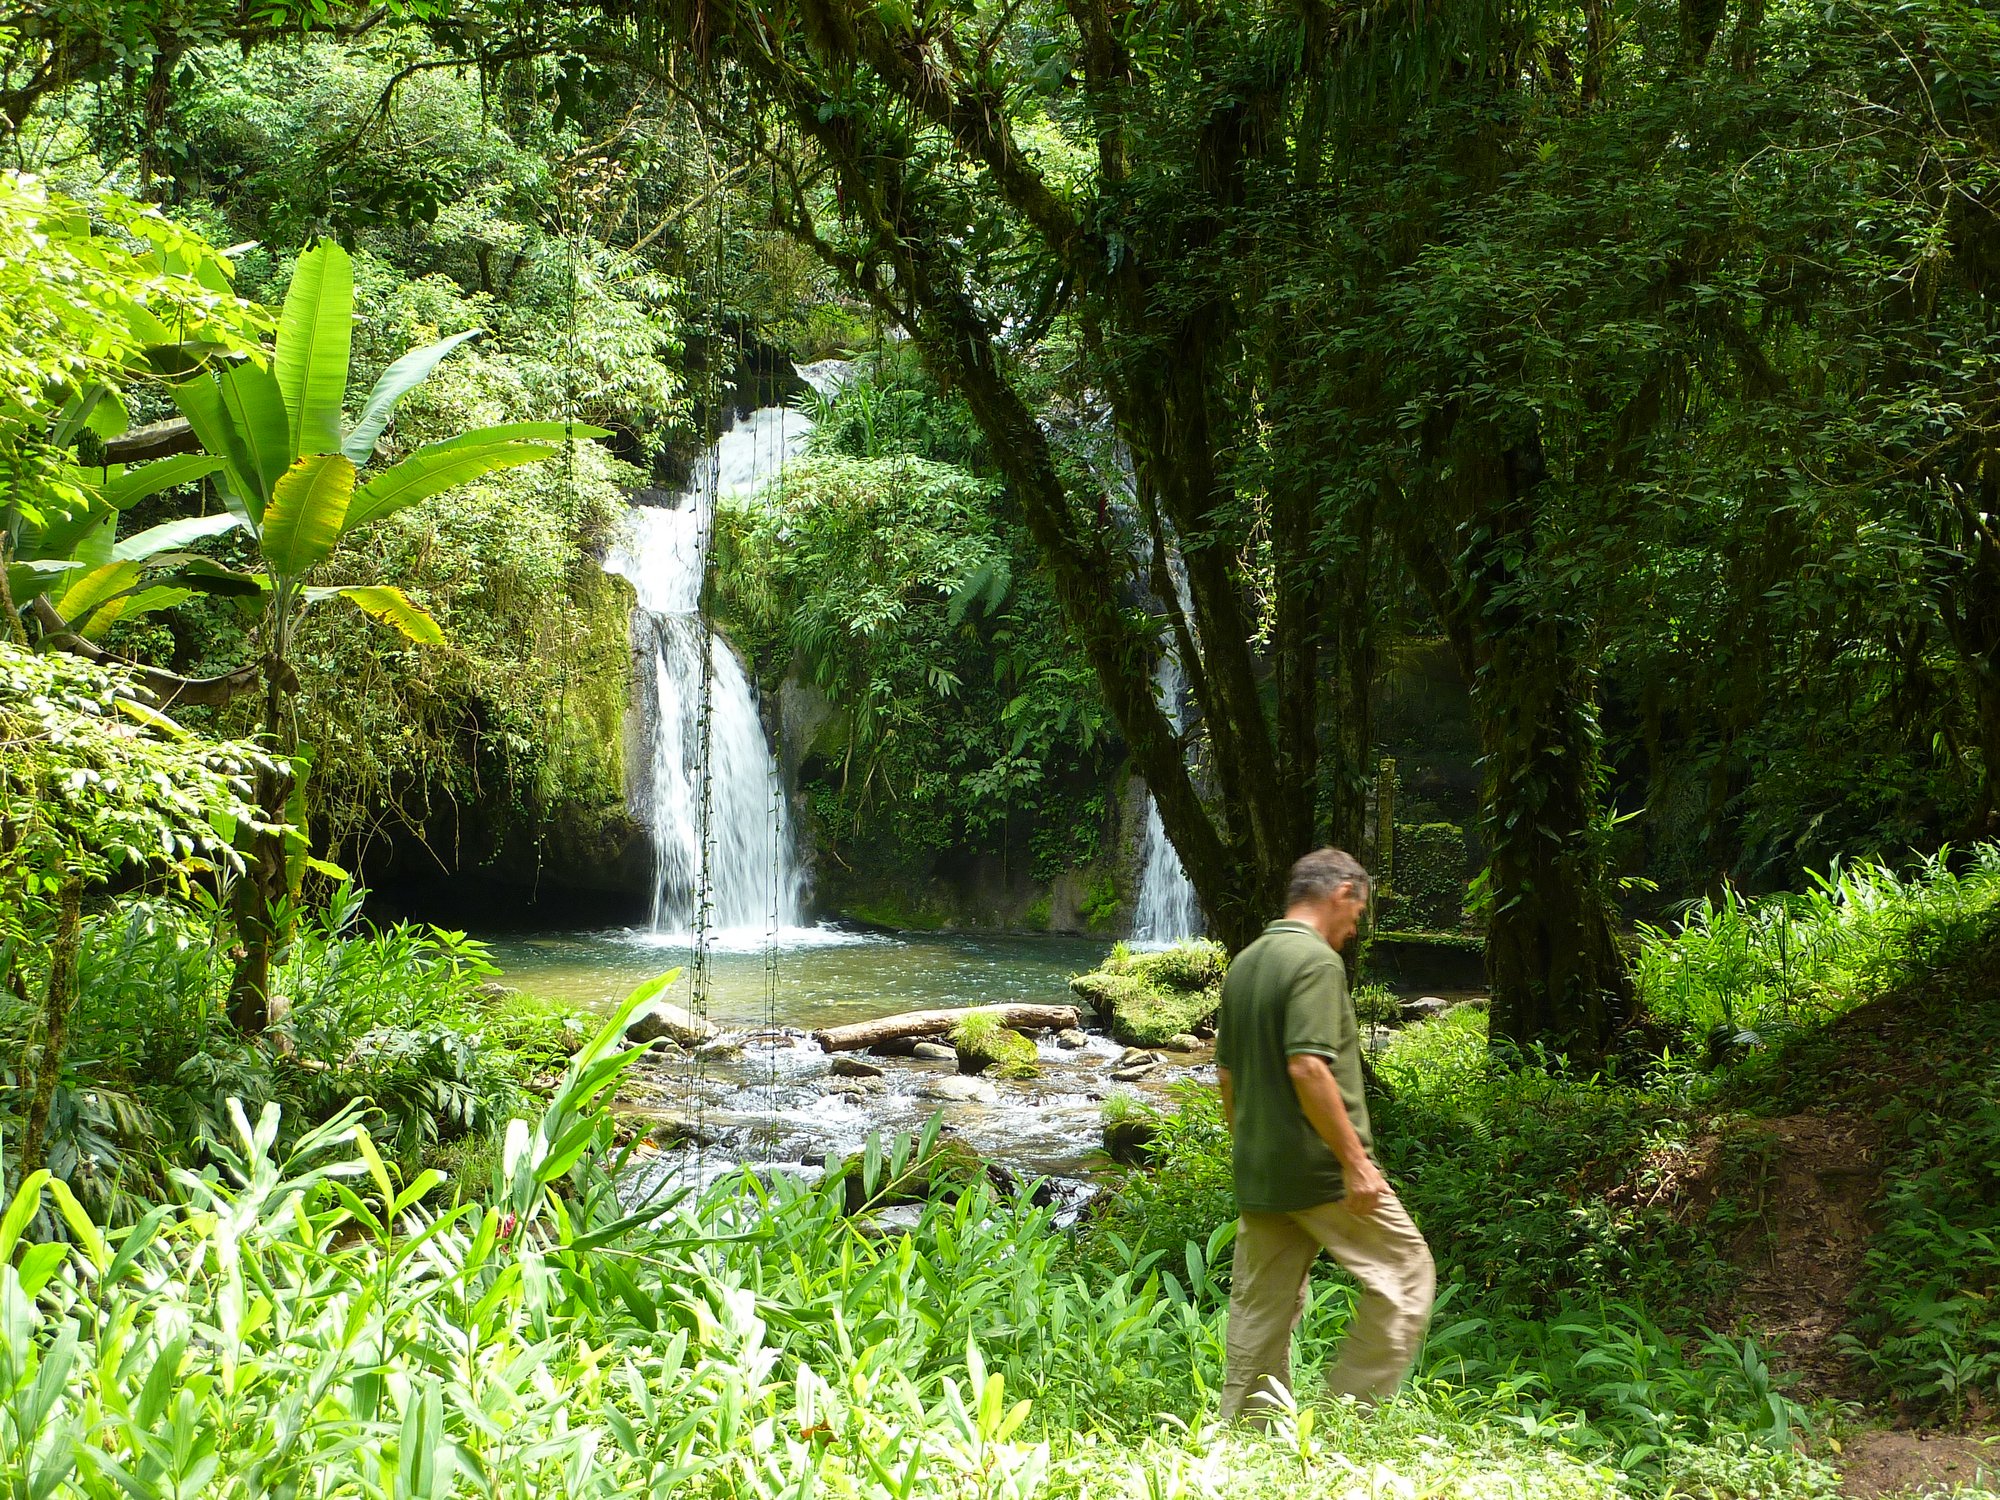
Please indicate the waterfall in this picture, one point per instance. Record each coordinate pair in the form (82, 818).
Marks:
(755, 875)
(1166, 911)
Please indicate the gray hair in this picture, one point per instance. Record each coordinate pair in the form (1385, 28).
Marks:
(1323, 872)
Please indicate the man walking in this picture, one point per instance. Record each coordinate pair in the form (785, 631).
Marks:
(1290, 1060)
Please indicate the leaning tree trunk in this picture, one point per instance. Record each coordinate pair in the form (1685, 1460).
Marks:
(55, 1023)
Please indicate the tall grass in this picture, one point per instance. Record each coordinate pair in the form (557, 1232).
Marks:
(1764, 964)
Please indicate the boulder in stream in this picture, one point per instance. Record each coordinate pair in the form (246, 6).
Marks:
(960, 1089)
(1126, 1139)
(983, 1041)
(1428, 1008)
(1148, 997)
(1071, 1038)
(682, 1028)
(934, 1052)
(846, 1065)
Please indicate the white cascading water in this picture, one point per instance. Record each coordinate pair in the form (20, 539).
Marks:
(1166, 911)
(755, 877)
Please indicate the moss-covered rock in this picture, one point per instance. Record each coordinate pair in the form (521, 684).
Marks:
(951, 1167)
(1147, 998)
(983, 1043)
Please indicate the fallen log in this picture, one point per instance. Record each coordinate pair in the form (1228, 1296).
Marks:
(912, 1025)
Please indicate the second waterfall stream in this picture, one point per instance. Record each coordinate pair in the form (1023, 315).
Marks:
(756, 878)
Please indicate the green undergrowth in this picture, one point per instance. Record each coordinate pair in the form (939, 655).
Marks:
(1149, 998)
(297, 1321)
(403, 1019)
(1925, 1318)
(1746, 971)
(1580, 1223)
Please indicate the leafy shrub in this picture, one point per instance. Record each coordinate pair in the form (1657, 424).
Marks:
(1376, 1005)
(1765, 965)
(390, 1017)
(1428, 881)
(1926, 1313)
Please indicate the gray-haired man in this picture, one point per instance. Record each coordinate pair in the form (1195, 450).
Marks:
(1290, 1060)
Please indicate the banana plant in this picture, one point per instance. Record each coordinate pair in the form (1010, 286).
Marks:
(301, 483)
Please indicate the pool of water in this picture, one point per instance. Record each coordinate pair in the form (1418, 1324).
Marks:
(810, 978)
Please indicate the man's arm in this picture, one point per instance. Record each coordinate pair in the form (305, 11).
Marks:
(1319, 1097)
(1228, 1099)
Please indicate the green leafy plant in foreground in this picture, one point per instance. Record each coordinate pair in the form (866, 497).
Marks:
(302, 1322)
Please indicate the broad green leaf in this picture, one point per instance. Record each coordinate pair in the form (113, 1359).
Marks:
(206, 577)
(407, 373)
(80, 1224)
(394, 608)
(438, 467)
(127, 489)
(200, 401)
(315, 331)
(65, 522)
(27, 1201)
(146, 601)
(309, 507)
(520, 432)
(83, 603)
(173, 535)
(95, 547)
(251, 399)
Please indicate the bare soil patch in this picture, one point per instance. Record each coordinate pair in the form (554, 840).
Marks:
(1883, 1462)
(1811, 1178)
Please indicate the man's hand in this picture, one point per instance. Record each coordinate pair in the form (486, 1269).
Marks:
(1366, 1187)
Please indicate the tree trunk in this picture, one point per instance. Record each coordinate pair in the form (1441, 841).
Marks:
(55, 1023)
(916, 1024)
(1557, 974)
(262, 888)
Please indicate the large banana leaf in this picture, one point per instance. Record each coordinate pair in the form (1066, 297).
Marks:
(437, 467)
(126, 489)
(309, 508)
(407, 373)
(200, 402)
(254, 406)
(64, 522)
(391, 606)
(202, 575)
(315, 331)
(173, 535)
(88, 604)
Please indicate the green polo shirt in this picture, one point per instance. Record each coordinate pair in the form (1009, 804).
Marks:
(1287, 993)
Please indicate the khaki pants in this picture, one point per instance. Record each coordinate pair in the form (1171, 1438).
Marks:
(1274, 1252)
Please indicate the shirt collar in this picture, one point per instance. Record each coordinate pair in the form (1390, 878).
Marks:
(1288, 924)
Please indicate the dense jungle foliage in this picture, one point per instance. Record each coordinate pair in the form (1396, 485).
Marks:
(1636, 360)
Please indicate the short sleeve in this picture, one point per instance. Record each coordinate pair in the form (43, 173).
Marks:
(1318, 1018)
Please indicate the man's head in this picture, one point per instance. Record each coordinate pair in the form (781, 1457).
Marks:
(1328, 890)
